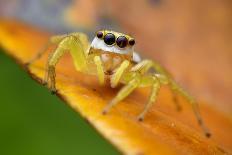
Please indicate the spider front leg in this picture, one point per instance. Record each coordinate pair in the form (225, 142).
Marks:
(74, 45)
(50, 73)
(123, 93)
(100, 70)
(115, 79)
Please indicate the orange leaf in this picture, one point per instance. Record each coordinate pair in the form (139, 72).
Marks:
(164, 130)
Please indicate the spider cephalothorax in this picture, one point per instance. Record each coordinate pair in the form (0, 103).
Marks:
(115, 42)
(111, 55)
(113, 48)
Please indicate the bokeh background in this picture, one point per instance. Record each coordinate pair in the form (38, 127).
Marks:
(192, 38)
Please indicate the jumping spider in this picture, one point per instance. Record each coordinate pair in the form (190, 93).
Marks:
(111, 55)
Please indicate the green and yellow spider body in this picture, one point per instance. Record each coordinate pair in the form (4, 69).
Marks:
(111, 55)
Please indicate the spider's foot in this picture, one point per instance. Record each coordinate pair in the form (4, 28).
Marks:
(44, 83)
(27, 64)
(54, 91)
(108, 107)
(140, 118)
(208, 134)
(105, 111)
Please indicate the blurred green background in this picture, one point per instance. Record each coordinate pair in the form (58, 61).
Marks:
(34, 122)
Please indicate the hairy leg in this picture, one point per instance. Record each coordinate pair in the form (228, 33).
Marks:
(56, 40)
(53, 40)
(50, 73)
(115, 79)
(73, 45)
(178, 89)
(194, 104)
(100, 70)
(165, 78)
(155, 84)
(123, 93)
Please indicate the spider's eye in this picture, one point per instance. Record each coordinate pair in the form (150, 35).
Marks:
(109, 39)
(122, 41)
(131, 42)
(100, 34)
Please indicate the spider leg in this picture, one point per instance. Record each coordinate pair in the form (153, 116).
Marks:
(123, 93)
(50, 74)
(194, 104)
(100, 70)
(165, 78)
(178, 89)
(162, 75)
(53, 40)
(72, 44)
(154, 82)
(115, 79)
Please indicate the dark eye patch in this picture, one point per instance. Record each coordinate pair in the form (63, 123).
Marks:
(99, 34)
(122, 41)
(109, 38)
(132, 42)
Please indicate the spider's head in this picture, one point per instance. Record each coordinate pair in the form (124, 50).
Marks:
(115, 42)
(110, 41)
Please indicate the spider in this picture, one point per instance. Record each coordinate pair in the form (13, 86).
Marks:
(111, 55)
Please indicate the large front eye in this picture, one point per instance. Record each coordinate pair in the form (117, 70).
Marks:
(109, 39)
(122, 41)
